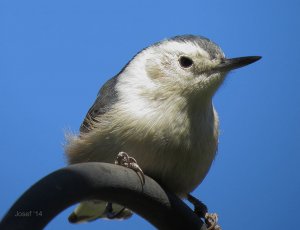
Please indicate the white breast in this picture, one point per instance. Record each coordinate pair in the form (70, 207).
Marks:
(173, 145)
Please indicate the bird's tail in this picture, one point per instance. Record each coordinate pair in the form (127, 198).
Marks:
(95, 209)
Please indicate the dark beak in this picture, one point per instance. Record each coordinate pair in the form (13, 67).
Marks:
(234, 63)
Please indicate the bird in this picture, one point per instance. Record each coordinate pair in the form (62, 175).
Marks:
(158, 109)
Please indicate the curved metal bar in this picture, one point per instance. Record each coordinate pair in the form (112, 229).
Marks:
(113, 183)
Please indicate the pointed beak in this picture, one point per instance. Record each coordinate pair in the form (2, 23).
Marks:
(234, 63)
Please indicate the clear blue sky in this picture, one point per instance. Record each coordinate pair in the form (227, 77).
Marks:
(54, 56)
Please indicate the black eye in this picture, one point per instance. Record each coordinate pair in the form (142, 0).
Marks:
(185, 62)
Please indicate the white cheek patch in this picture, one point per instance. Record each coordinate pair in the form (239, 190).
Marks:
(135, 75)
(132, 84)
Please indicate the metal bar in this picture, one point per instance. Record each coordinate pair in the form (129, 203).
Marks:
(113, 183)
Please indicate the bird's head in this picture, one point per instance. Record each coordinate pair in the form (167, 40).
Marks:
(183, 65)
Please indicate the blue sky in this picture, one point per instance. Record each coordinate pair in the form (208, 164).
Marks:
(54, 56)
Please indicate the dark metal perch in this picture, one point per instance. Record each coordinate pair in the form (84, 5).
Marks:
(75, 183)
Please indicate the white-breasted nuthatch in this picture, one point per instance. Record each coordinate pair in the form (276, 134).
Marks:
(159, 110)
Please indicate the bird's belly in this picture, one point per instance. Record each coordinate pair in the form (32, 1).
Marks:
(179, 171)
(176, 154)
(176, 167)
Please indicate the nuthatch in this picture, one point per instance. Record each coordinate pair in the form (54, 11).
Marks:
(159, 110)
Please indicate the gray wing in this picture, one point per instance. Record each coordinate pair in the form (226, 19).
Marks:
(106, 97)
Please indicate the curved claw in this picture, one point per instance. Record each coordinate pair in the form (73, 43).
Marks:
(200, 209)
(211, 220)
(129, 162)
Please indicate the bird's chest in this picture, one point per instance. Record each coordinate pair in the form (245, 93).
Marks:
(178, 150)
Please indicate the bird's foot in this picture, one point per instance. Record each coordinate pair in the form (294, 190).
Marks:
(129, 162)
(200, 209)
(211, 220)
